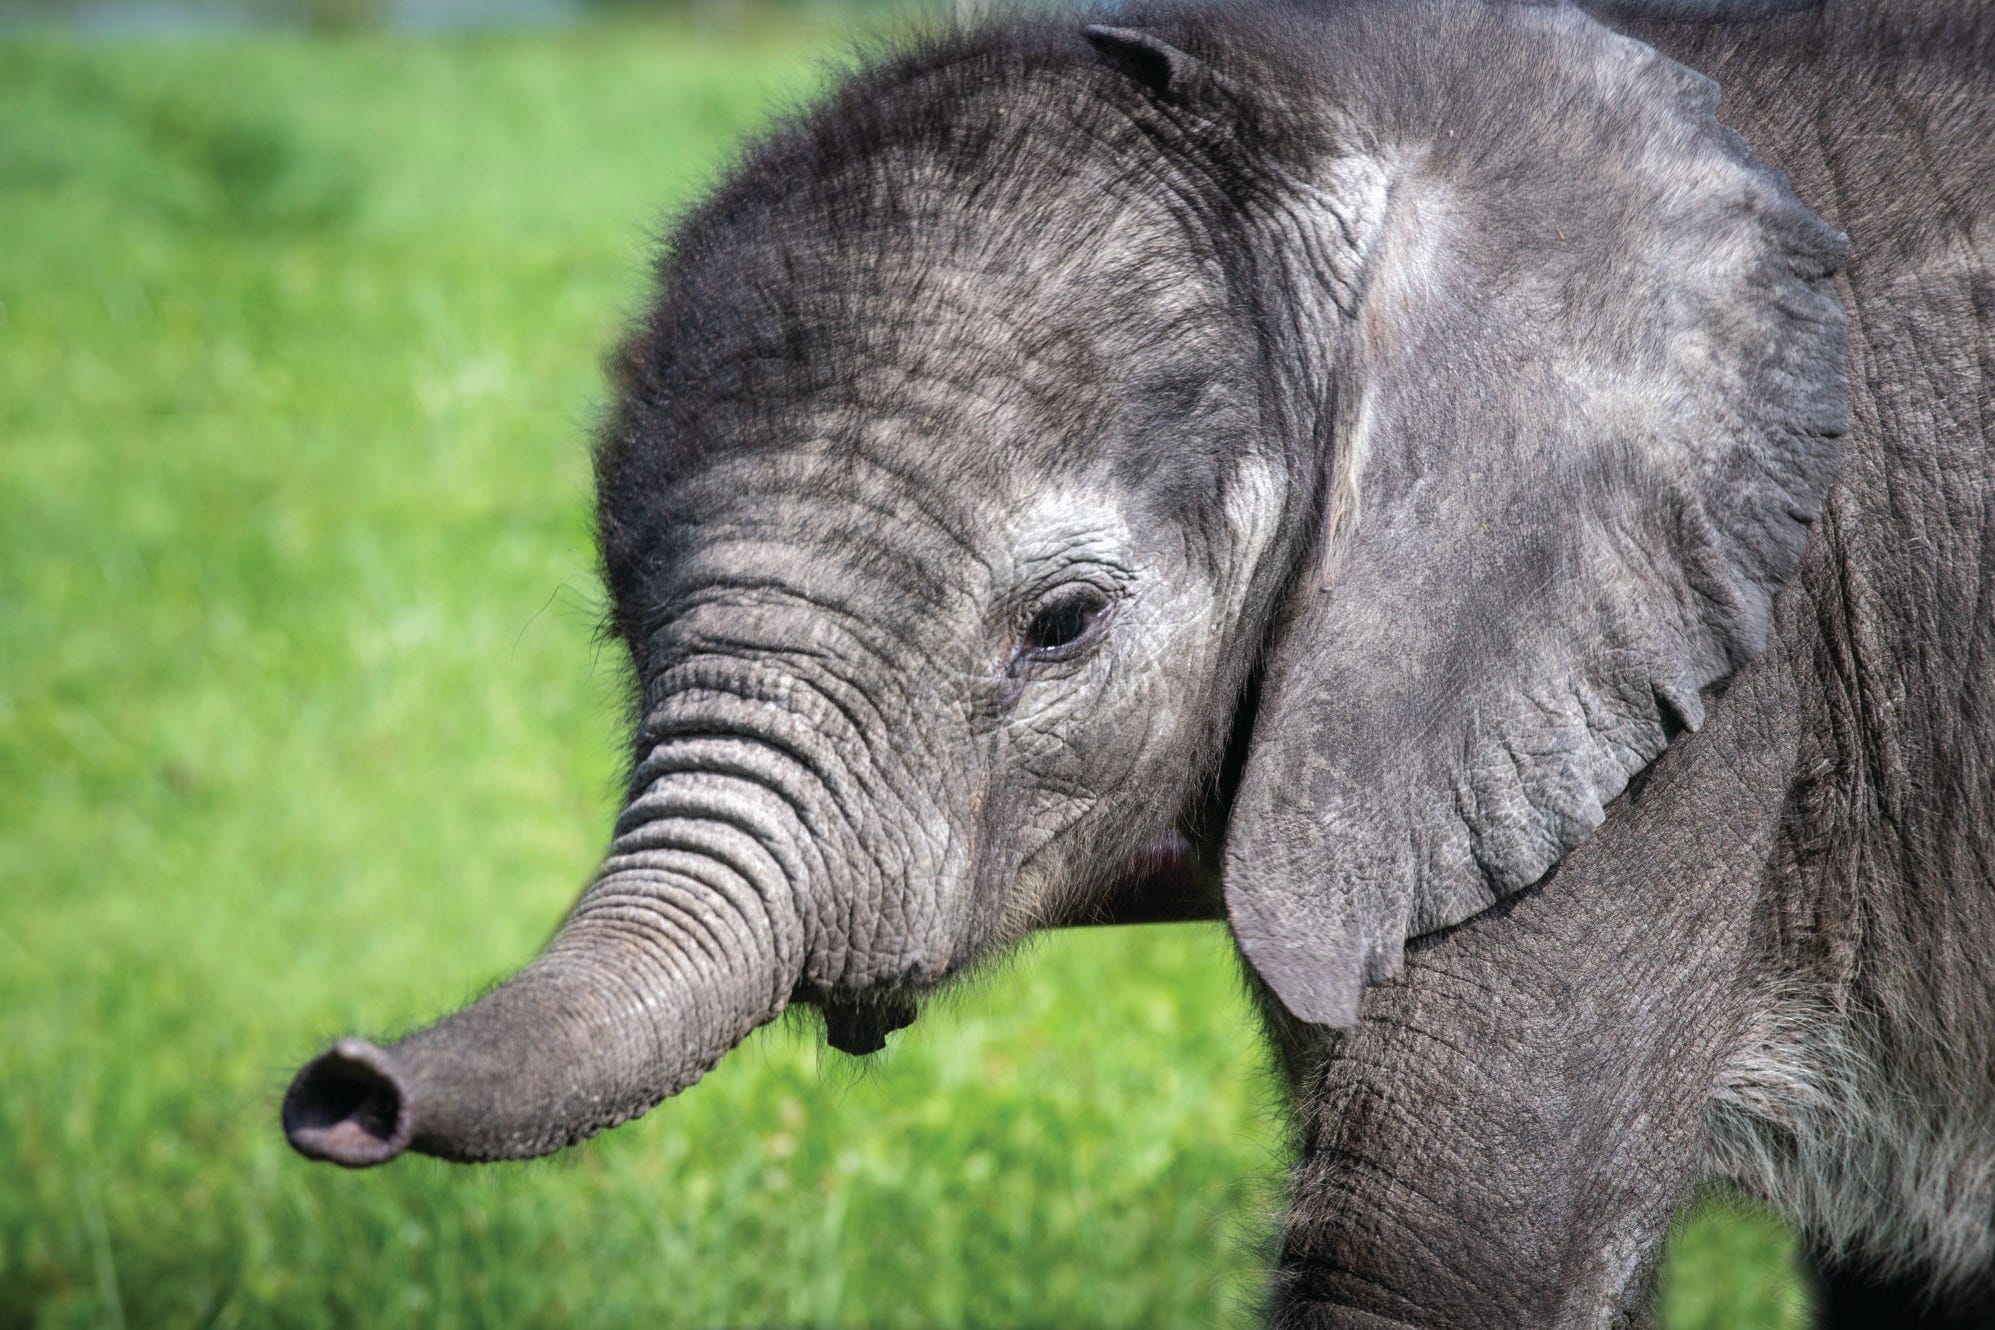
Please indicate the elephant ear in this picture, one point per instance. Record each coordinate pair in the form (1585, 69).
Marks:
(1586, 408)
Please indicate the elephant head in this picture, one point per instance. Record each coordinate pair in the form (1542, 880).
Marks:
(1338, 462)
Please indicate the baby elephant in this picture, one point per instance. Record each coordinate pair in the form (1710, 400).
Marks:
(1419, 478)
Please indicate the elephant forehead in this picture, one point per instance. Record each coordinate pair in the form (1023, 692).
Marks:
(1002, 344)
(830, 520)
(904, 411)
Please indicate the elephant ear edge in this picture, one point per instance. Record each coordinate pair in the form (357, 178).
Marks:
(1587, 408)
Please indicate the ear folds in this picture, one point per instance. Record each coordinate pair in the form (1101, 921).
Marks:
(1586, 407)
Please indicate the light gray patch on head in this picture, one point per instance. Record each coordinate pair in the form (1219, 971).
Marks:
(1253, 509)
(1330, 224)
(1074, 532)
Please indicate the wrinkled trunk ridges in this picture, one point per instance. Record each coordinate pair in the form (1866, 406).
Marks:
(689, 939)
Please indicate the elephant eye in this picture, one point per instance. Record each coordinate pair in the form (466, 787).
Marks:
(1061, 628)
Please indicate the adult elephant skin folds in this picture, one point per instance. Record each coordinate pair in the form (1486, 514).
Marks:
(1495, 500)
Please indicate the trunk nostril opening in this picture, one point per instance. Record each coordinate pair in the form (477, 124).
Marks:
(349, 1107)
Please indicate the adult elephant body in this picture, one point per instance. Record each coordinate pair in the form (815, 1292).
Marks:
(1321, 458)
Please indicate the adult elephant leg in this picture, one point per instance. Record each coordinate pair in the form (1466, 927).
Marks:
(1504, 1136)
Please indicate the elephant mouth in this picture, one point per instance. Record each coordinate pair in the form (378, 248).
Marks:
(858, 1026)
(1166, 881)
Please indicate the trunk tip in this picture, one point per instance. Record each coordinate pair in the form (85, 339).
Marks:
(349, 1106)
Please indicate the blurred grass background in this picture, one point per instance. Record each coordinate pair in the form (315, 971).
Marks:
(304, 730)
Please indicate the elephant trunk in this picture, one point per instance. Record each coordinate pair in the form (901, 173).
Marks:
(688, 940)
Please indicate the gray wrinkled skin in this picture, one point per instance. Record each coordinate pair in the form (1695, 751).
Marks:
(1518, 531)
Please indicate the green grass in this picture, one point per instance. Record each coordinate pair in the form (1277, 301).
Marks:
(303, 730)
